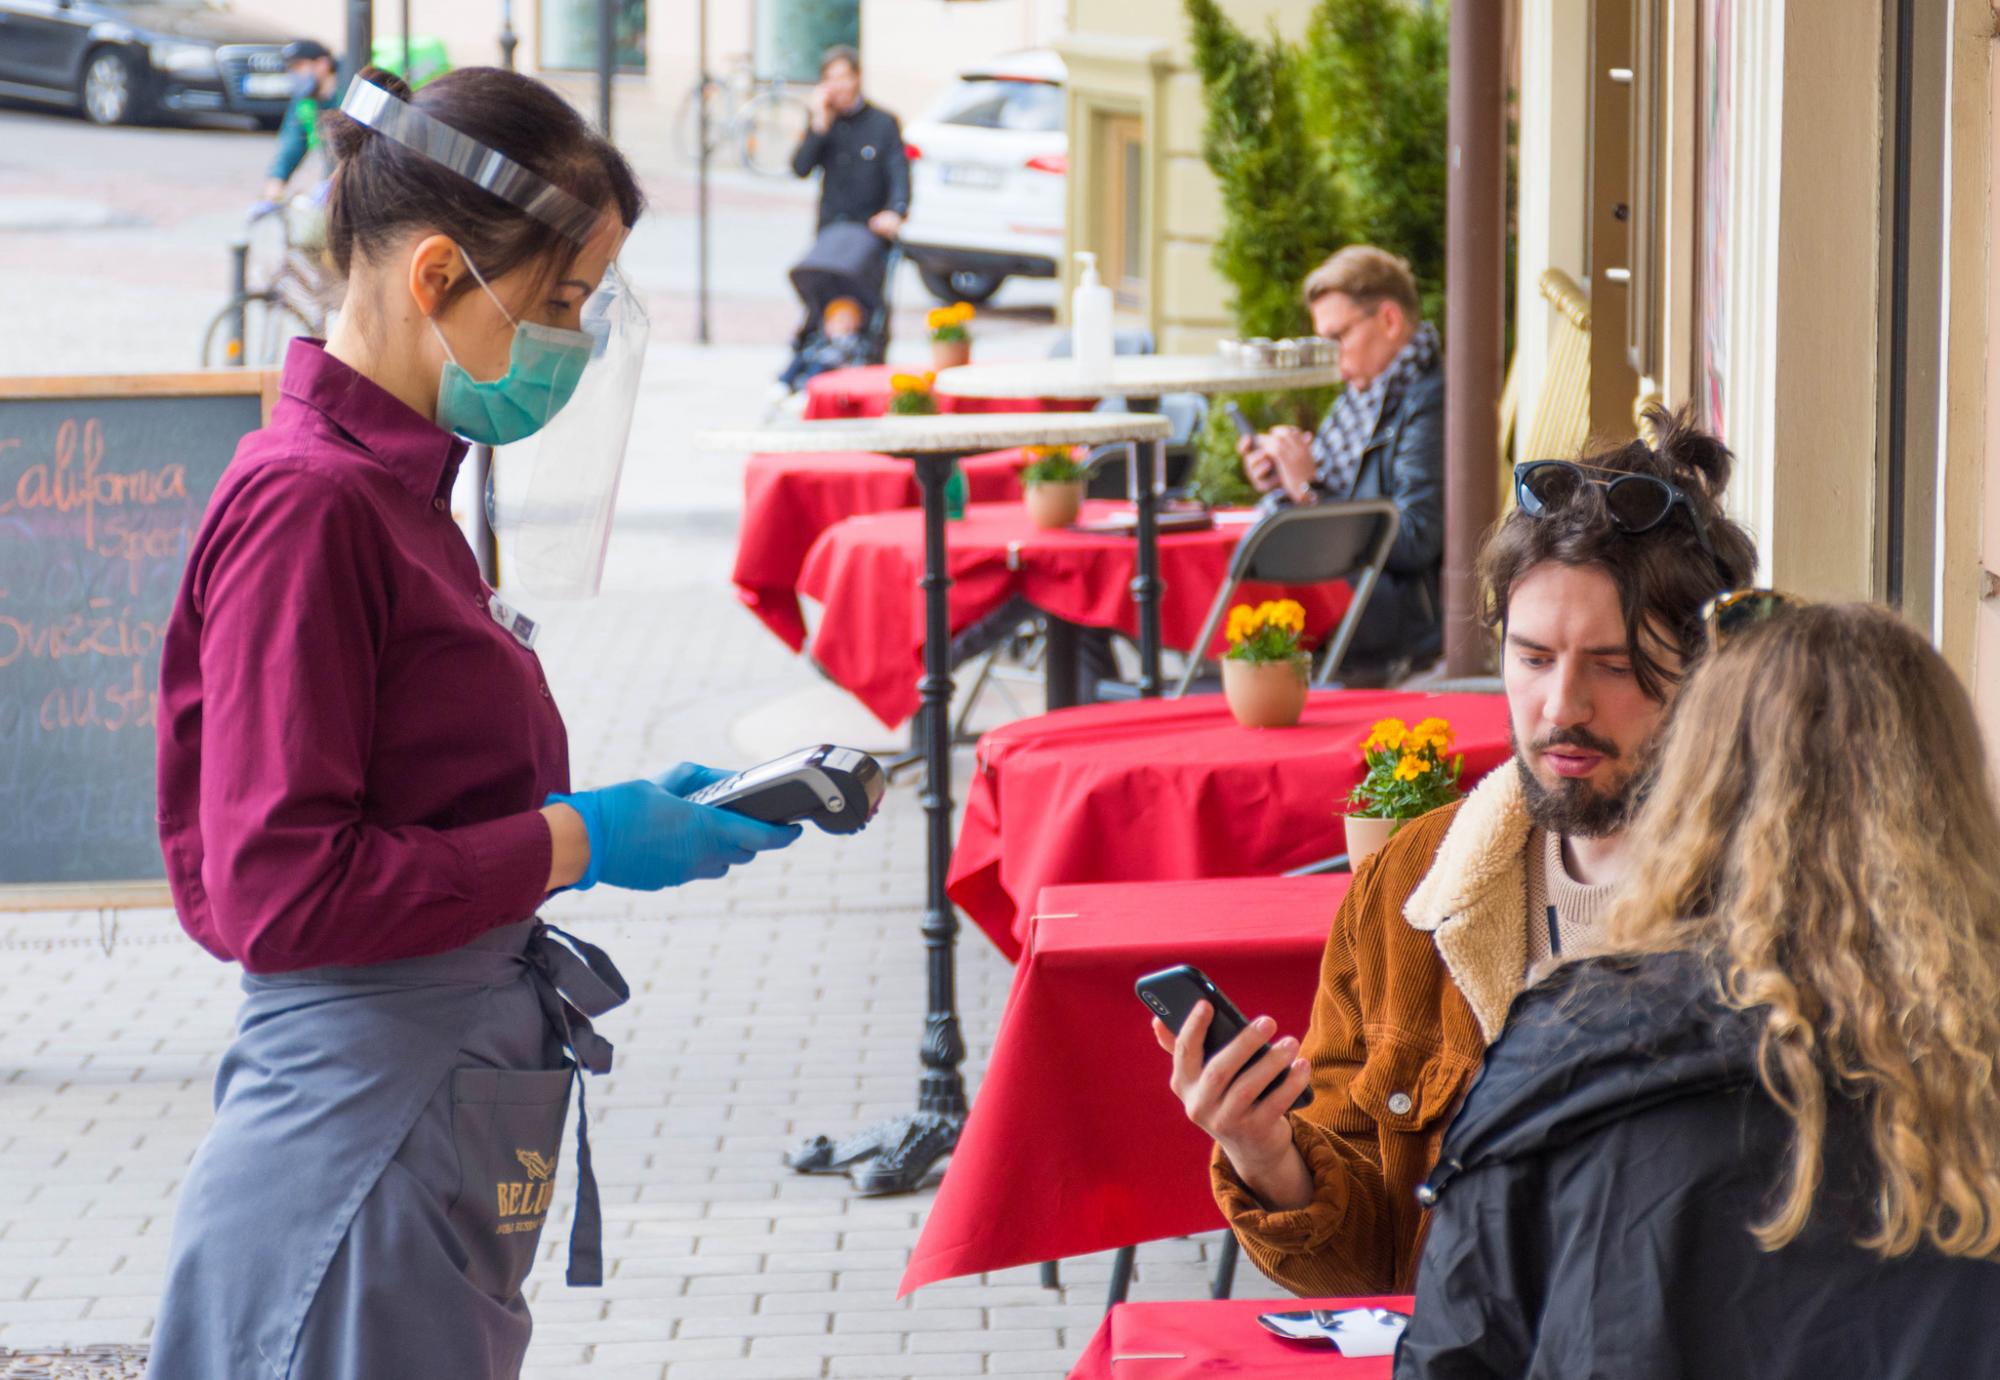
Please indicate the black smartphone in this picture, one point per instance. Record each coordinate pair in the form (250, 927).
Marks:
(1171, 995)
(1243, 428)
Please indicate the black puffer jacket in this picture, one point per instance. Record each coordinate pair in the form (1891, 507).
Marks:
(1594, 1199)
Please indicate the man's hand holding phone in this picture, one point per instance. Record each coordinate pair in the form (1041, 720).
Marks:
(1247, 1116)
(821, 109)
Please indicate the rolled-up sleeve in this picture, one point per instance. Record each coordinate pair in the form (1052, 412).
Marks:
(294, 602)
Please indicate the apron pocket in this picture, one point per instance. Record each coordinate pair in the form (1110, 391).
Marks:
(507, 1126)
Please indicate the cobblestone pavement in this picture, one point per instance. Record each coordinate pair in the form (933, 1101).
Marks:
(782, 1002)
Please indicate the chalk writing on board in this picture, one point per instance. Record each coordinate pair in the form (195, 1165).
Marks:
(100, 500)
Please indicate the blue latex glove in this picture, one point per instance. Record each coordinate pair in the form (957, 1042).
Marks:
(261, 208)
(644, 836)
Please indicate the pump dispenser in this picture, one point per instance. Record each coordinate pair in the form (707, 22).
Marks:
(1090, 317)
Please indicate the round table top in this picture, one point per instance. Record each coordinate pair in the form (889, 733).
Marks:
(1127, 376)
(948, 434)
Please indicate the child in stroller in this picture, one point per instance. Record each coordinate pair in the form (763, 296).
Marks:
(843, 284)
(838, 342)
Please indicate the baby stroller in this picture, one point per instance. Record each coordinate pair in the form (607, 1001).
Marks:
(851, 261)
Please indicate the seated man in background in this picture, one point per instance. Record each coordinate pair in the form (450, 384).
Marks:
(1383, 438)
(1601, 616)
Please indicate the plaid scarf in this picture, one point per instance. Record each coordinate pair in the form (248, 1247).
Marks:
(1350, 425)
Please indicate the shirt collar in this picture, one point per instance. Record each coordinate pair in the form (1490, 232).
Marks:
(421, 454)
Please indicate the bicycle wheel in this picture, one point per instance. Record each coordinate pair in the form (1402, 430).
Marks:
(769, 131)
(269, 326)
(721, 110)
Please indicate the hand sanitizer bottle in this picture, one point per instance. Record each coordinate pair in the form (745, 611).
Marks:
(1090, 317)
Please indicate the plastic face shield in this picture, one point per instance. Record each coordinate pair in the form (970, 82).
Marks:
(551, 496)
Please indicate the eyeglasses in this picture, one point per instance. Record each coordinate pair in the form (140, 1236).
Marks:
(1730, 614)
(1339, 337)
(1635, 503)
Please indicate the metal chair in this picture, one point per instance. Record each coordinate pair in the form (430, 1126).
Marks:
(1309, 545)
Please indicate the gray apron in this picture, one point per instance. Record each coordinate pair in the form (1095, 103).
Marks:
(369, 1200)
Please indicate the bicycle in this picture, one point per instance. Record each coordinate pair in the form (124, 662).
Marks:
(759, 121)
(256, 325)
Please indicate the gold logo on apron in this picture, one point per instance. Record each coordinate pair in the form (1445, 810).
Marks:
(529, 1199)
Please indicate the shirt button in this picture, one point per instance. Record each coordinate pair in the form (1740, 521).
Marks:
(1400, 1104)
(1427, 1195)
(438, 504)
(545, 692)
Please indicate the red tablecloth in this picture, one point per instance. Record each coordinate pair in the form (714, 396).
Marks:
(788, 500)
(864, 572)
(1202, 1338)
(1075, 1143)
(864, 392)
(1173, 789)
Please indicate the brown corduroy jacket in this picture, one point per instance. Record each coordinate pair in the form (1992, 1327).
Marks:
(1428, 950)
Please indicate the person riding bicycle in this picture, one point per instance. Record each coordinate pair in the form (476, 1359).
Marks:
(318, 85)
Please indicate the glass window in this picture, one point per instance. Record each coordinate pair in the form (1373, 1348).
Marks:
(569, 35)
(1035, 107)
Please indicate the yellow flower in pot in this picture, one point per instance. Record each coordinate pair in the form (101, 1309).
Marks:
(951, 342)
(910, 395)
(1264, 671)
(1053, 484)
(1410, 773)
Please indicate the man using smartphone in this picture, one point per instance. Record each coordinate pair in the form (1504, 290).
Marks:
(1383, 438)
(1449, 921)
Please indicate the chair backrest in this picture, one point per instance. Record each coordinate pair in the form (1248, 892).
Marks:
(1307, 546)
(1562, 410)
(1317, 543)
(1135, 341)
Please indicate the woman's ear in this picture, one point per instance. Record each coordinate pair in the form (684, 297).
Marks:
(435, 265)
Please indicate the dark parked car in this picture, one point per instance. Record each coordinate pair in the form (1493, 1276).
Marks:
(120, 63)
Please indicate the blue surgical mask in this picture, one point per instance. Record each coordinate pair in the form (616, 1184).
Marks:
(543, 369)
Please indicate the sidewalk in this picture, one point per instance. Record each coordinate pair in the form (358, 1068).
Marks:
(784, 1001)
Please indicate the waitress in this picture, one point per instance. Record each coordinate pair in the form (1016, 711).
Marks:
(363, 779)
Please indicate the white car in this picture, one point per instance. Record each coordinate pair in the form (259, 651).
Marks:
(989, 168)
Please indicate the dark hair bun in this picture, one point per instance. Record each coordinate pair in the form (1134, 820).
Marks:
(1688, 451)
(348, 136)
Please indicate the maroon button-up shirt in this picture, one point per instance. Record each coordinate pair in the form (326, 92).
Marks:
(351, 750)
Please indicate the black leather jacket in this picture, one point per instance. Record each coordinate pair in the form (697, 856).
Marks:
(1404, 462)
(1594, 1198)
(865, 167)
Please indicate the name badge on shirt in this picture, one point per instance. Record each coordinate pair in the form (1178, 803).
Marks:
(867, 153)
(523, 628)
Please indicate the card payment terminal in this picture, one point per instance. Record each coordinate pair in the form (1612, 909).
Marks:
(836, 788)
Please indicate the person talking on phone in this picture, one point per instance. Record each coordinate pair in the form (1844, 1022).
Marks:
(1596, 582)
(858, 150)
(364, 791)
(1382, 438)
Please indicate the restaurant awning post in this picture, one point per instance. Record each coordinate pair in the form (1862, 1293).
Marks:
(360, 34)
(1475, 294)
(606, 62)
(701, 172)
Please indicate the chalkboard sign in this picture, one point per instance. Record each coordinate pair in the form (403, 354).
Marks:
(103, 482)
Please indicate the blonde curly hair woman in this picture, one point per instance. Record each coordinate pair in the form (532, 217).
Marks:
(1759, 1135)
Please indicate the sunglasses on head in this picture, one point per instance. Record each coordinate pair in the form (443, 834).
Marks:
(1727, 615)
(1635, 503)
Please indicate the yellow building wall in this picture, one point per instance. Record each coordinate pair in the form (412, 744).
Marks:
(1132, 58)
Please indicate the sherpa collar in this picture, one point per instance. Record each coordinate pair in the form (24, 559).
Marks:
(1475, 897)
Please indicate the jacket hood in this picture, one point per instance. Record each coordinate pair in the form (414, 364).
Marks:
(1595, 1042)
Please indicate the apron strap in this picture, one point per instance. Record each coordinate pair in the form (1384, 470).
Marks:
(576, 980)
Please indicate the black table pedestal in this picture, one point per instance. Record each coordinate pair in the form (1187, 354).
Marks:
(895, 1156)
(1146, 583)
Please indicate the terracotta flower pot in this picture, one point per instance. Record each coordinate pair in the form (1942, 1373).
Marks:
(1055, 505)
(1265, 694)
(949, 354)
(1365, 836)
